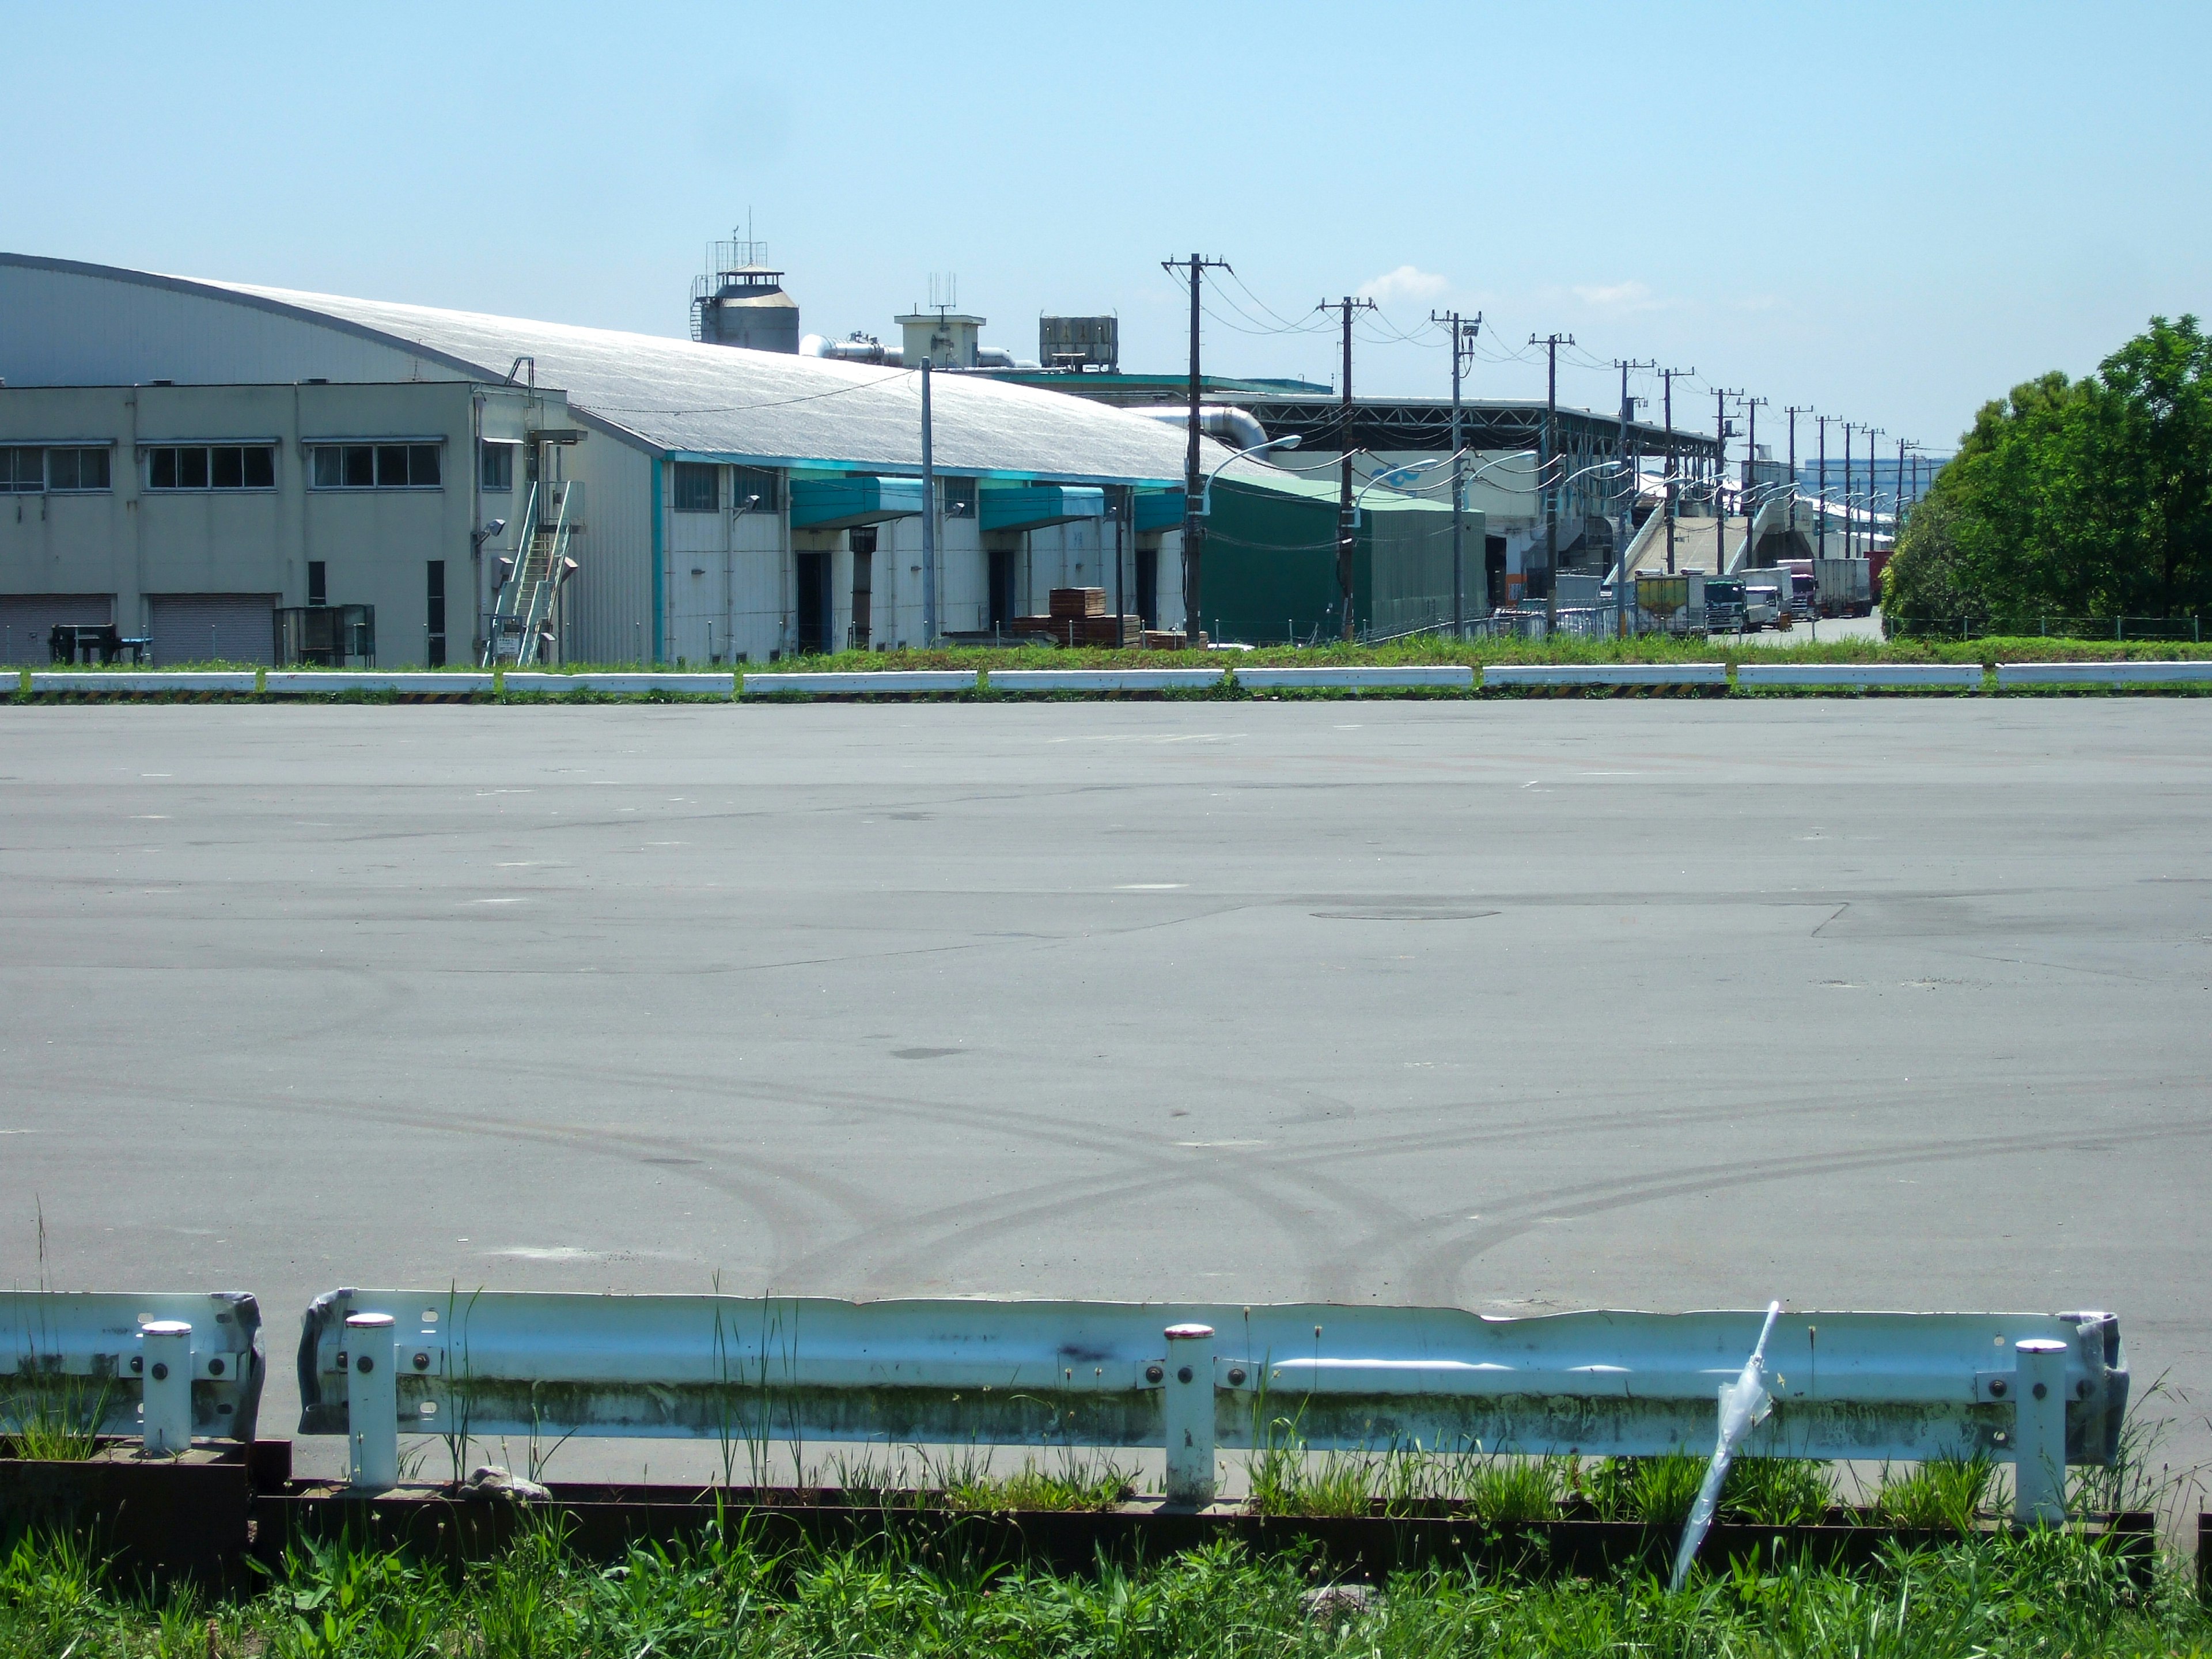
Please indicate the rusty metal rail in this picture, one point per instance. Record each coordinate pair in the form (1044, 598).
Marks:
(2039, 1390)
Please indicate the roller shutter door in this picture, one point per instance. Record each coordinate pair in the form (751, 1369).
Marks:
(220, 627)
(26, 619)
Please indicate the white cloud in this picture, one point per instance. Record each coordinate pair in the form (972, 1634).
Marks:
(1406, 282)
(1617, 296)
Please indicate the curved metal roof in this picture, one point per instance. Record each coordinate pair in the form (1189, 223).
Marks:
(680, 397)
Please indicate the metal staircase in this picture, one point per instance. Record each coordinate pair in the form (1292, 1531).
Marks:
(521, 630)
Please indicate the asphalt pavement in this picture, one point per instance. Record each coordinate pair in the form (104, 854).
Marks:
(1885, 1003)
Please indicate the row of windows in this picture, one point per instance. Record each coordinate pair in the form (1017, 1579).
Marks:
(28, 471)
(25, 470)
(212, 466)
(698, 488)
(373, 466)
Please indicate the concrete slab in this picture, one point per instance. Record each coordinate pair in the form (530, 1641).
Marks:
(1887, 1004)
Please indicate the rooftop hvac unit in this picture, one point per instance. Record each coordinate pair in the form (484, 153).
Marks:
(1080, 343)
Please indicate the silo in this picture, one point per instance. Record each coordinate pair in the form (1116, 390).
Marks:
(743, 304)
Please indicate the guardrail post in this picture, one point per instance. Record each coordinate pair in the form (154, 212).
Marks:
(1187, 1410)
(372, 1401)
(166, 1411)
(2039, 1432)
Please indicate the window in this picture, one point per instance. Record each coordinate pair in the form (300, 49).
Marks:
(497, 466)
(211, 466)
(959, 498)
(22, 471)
(753, 489)
(26, 471)
(698, 487)
(374, 466)
(76, 468)
(318, 587)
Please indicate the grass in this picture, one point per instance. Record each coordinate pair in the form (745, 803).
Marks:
(964, 1480)
(2051, 1594)
(1424, 650)
(54, 1419)
(1942, 1495)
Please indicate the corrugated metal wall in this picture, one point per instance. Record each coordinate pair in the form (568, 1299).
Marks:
(609, 602)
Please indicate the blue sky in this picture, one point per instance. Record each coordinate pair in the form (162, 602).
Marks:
(1888, 212)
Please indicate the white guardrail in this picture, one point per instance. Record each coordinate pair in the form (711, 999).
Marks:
(1965, 676)
(2010, 674)
(164, 1364)
(903, 682)
(1619, 674)
(2041, 1390)
(531, 682)
(138, 683)
(1105, 679)
(332, 682)
(1443, 677)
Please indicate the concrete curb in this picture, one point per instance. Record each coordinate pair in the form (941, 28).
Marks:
(1107, 679)
(2010, 674)
(1623, 673)
(1445, 677)
(1968, 675)
(899, 682)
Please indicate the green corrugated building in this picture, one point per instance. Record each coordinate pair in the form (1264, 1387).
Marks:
(1269, 569)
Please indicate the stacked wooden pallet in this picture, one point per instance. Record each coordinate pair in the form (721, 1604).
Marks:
(1078, 617)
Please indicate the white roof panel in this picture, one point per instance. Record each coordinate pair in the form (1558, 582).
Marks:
(683, 398)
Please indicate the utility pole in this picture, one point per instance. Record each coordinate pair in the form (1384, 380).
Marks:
(1626, 533)
(1896, 520)
(928, 521)
(1846, 425)
(1872, 495)
(1751, 481)
(1551, 343)
(1793, 412)
(1668, 376)
(1463, 335)
(1347, 533)
(1721, 395)
(1820, 523)
(1193, 485)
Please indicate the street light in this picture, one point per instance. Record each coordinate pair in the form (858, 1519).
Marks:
(1206, 495)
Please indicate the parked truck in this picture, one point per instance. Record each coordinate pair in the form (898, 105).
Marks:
(1842, 587)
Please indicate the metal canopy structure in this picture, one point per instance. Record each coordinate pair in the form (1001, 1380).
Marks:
(1392, 425)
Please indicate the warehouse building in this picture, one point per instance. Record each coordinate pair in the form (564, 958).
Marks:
(253, 474)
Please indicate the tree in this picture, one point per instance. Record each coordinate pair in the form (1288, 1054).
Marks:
(2090, 497)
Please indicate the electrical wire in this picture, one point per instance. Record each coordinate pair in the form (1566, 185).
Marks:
(776, 403)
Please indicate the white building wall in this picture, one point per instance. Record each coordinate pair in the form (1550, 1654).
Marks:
(135, 542)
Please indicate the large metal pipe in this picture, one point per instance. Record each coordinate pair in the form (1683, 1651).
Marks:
(1236, 428)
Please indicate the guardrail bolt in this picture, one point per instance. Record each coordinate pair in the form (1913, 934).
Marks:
(2039, 1433)
(1186, 1415)
(372, 1402)
(166, 1402)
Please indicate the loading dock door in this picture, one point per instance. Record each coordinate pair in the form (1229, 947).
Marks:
(813, 603)
(214, 627)
(26, 619)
